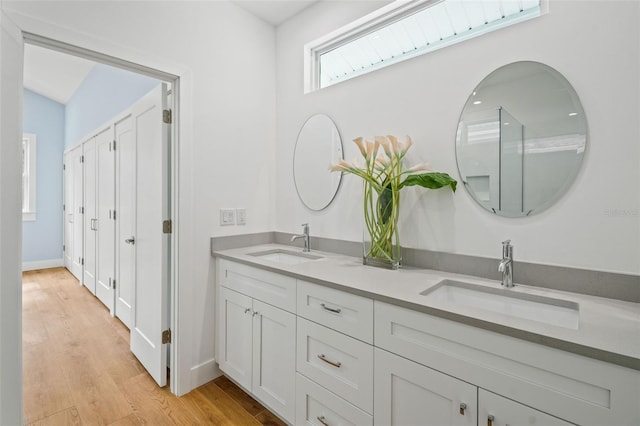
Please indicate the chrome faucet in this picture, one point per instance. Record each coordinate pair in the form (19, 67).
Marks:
(506, 265)
(305, 235)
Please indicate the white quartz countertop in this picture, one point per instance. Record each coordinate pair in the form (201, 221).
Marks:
(607, 329)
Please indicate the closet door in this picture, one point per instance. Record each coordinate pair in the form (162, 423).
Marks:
(125, 225)
(78, 223)
(106, 217)
(150, 309)
(90, 215)
(68, 210)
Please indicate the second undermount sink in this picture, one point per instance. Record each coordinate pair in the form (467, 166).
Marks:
(548, 310)
(285, 257)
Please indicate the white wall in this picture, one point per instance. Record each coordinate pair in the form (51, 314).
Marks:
(594, 44)
(227, 59)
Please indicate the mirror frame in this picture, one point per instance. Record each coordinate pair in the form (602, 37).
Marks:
(328, 202)
(569, 179)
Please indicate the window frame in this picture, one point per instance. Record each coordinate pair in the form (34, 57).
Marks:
(29, 141)
(373, 21)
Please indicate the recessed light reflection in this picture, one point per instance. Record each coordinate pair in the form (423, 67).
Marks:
(477, 102)
(572, 114)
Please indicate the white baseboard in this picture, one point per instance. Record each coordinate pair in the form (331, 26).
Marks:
(204, 373)
(42, 264)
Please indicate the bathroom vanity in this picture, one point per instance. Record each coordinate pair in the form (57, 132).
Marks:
(322, 340)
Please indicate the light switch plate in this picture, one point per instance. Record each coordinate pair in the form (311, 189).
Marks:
(241, 216)
(227, 217)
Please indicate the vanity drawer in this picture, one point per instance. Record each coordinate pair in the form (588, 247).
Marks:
(342, 311)
(317, 406)
(338, 362)
(578, 389)
(274, 289)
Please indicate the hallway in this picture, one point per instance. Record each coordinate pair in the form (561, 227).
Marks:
(78, 370)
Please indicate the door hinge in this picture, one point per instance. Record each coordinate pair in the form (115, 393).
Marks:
(167, 116)
(82, 260)
(167, 227)
(113, 283)
(64, 248)
(82, 158)
(166, 336)
(114, 145)
(114, 215)
(81, 210)
(64, 207)
(64, 167)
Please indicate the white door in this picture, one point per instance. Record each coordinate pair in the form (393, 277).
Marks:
(407, 393)
(76, 210)
(68, 210)
(274, 358)
(90, 217)
(125, 223)
(234, 336)
(495, 410)
(150, 301)
(105, 186)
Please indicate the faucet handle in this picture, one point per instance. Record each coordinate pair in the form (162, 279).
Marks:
(506, 242)
(305, 227)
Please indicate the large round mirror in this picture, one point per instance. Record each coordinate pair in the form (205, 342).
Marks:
(520, 139)
(318, 147)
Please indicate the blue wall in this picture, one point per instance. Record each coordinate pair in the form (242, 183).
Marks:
(42, 238)
(105, 92)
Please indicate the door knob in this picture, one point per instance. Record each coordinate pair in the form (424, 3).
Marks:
(131, 240)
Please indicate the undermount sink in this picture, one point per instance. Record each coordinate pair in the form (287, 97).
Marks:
(286, 257)
(548, 310)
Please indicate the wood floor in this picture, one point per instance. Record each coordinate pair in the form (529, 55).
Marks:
(78, 370)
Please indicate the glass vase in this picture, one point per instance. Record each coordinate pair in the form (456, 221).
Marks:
(381, 239)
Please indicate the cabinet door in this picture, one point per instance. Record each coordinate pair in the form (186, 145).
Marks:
(494, 410)
(234, 337)
(274, 364)
(407, 393)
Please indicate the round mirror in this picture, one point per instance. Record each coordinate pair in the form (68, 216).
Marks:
(520, 139)
(318, 146)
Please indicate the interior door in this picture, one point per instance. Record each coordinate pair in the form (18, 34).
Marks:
(125, 225)
(150, 301)
(90, 217)
(68, 210)
(76, 209)
(105, 186)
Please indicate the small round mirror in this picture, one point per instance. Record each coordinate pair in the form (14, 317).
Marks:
(521, 139)
(318, 146)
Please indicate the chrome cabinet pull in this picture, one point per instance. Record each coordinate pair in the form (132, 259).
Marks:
(94, 223)
(131, 240)
(255, 313)
(490, 420)
(463, 407)
(322, 420)
(328, 361)
(246, 310)
(334, 310)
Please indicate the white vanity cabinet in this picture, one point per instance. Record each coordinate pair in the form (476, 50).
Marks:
(494, 410)
(256, 340)
(571, 387)
(407, 393)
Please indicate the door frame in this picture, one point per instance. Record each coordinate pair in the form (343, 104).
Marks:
(181, 251)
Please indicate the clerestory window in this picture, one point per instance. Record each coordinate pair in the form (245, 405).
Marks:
(403, 30)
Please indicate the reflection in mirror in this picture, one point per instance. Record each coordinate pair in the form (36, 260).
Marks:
(520, 139)
(318, 146)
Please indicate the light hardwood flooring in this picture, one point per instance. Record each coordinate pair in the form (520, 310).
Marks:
(78, 370)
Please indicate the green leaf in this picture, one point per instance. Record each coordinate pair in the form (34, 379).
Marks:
(433, 180)
(385, 203)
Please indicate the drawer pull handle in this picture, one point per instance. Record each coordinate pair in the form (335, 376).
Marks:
(490, 420)
(335, 364)
(334, 310)
(463, 407)
(246, 310)
(322, 420)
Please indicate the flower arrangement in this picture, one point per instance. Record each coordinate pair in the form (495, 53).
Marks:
(384, 176)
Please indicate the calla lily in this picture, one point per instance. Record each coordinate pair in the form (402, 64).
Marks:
(422, 167)
(360, 144)
(340, 166)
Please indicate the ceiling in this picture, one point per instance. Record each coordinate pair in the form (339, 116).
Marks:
(57, 75)
(274, 12)
(53, 74)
